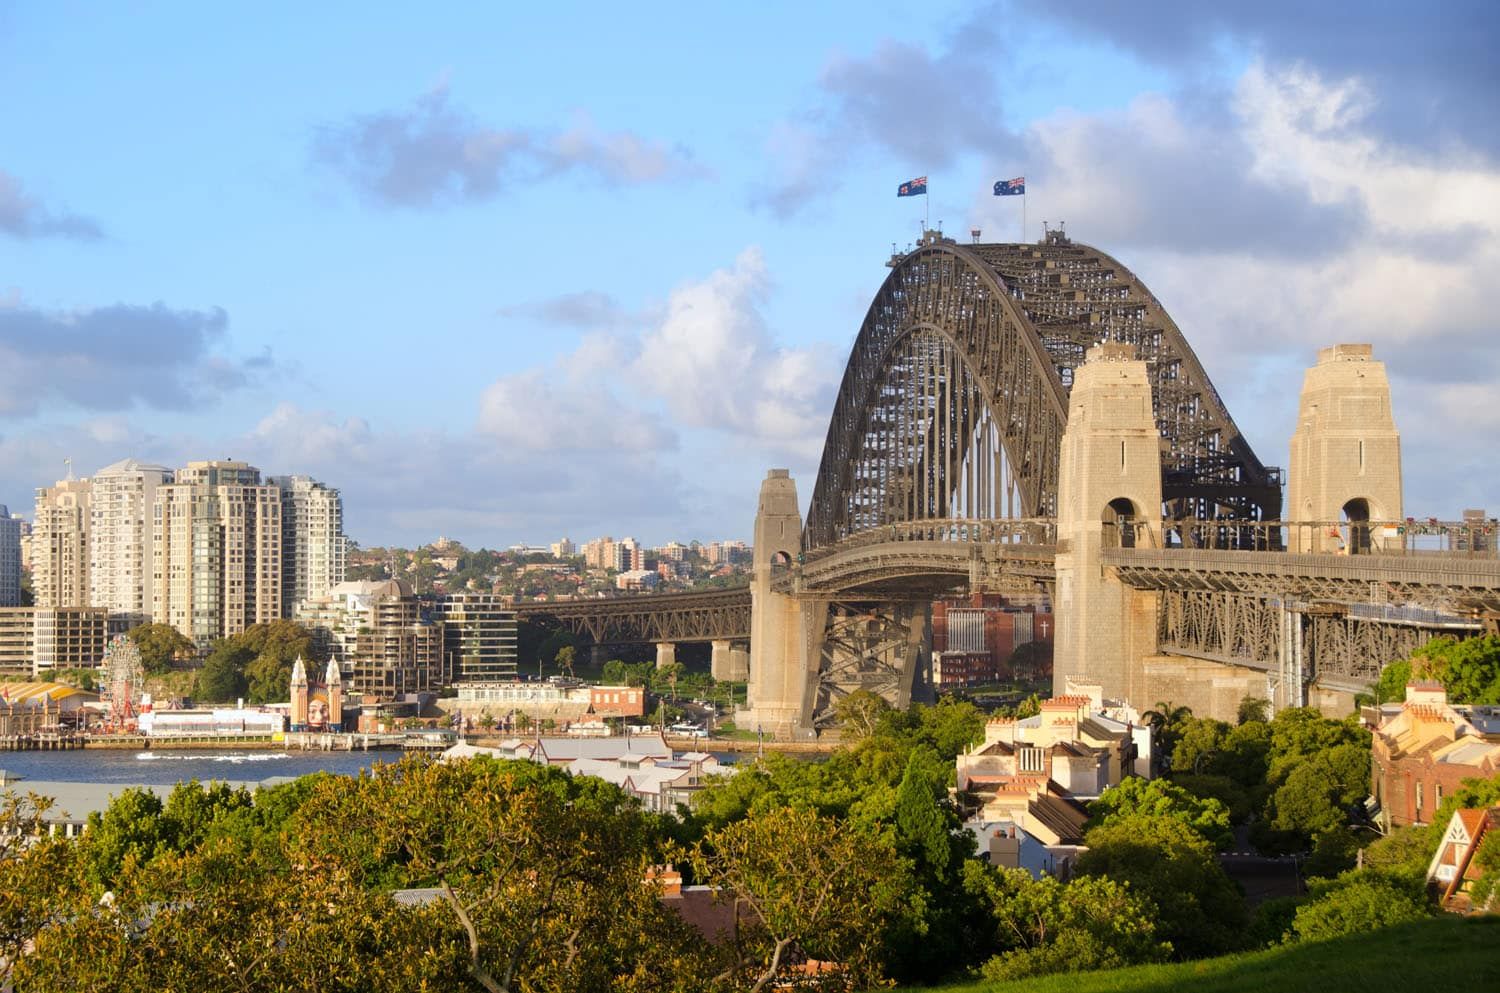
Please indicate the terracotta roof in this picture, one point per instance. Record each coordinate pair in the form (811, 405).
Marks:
(1472, 818)
(710, 913)
(1425, 712)
(1066, 703)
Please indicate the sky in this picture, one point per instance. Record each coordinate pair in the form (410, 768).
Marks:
(508, 274)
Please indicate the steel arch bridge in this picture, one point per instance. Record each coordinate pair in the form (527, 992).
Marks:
(955, 396)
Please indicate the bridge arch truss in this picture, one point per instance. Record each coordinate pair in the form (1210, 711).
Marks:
(954, 399)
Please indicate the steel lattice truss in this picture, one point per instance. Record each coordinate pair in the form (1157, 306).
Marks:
(709, 616)
(1343, 646)
(867, 647)
(955, 396)
(1444, 583)
(1222, 627)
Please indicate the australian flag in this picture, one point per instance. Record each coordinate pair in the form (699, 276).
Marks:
(1011, 187)
(913, 188)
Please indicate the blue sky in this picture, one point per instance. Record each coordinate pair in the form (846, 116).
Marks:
(593, 268)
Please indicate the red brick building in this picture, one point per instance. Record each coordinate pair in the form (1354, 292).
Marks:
(617, 701)
(1423, 751)
(974, 638)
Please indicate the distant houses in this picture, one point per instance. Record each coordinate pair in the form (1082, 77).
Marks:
(1023, 788)
(642, 765)
(1424, 748)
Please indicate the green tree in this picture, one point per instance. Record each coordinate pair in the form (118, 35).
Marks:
(1199, 741)
(554, 643)
(860, 715)
(129, 831)
(808, 885)
(564, 659)
(1161, 798)
(41, 880)
(277, 645)
(1199, 909)
(1469, 669)
(950, 726)
(1298, 733)
(1318, 791)
(1044, 926)
(222, 677)
(921, 827)
(540, 871)
(1253, 709)
(1393, 680)
(619, 673)
(160, 645)
(1473, 792)
(1487, 860)
(217, 920)
(1362, 900)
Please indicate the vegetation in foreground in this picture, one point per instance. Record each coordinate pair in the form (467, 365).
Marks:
(1436, 953)
(536, 881)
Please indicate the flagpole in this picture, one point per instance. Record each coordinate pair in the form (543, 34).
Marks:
(1023, 218)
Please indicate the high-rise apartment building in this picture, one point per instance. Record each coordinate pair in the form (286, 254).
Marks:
(10, 558)
(479, 637)
(381, 637)
(564, 549)
(314, 551)
(121, 507)
(216, 564)
(60, 546)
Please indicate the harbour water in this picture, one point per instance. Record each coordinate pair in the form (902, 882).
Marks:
(164, 767)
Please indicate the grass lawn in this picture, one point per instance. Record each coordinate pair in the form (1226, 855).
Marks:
(1446, 952)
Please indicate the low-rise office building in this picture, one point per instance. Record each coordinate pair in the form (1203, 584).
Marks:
(42, 639)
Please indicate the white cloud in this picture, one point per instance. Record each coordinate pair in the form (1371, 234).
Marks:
(716, 364)
(435, 152)
(554, 410)
(1291, 225)
(707, 357)
(23, 216)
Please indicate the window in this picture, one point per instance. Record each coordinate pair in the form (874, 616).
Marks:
(1419, 798)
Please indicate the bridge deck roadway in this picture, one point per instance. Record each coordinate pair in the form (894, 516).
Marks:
(709, 615)
(922, 567)
(1443, 582)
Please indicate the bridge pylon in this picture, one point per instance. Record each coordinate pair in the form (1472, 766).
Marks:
(1109, 495)
(781, 626)
(1346, 454)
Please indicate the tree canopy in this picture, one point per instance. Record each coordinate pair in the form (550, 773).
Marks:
(1166, 861)
(256, 664)
(160, 645)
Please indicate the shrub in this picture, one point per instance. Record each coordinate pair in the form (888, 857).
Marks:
(1362, 900)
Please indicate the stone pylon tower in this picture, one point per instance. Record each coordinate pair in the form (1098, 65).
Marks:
(778, 642)
(299, 695)
(1346, 454)
(1109, 494)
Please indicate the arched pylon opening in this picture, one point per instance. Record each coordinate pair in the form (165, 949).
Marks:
(1121, 518)
(1356, 517)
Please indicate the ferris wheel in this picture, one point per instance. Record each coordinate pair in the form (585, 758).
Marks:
(125, 679)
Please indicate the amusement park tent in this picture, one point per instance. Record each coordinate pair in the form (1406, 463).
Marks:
(53, 696)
